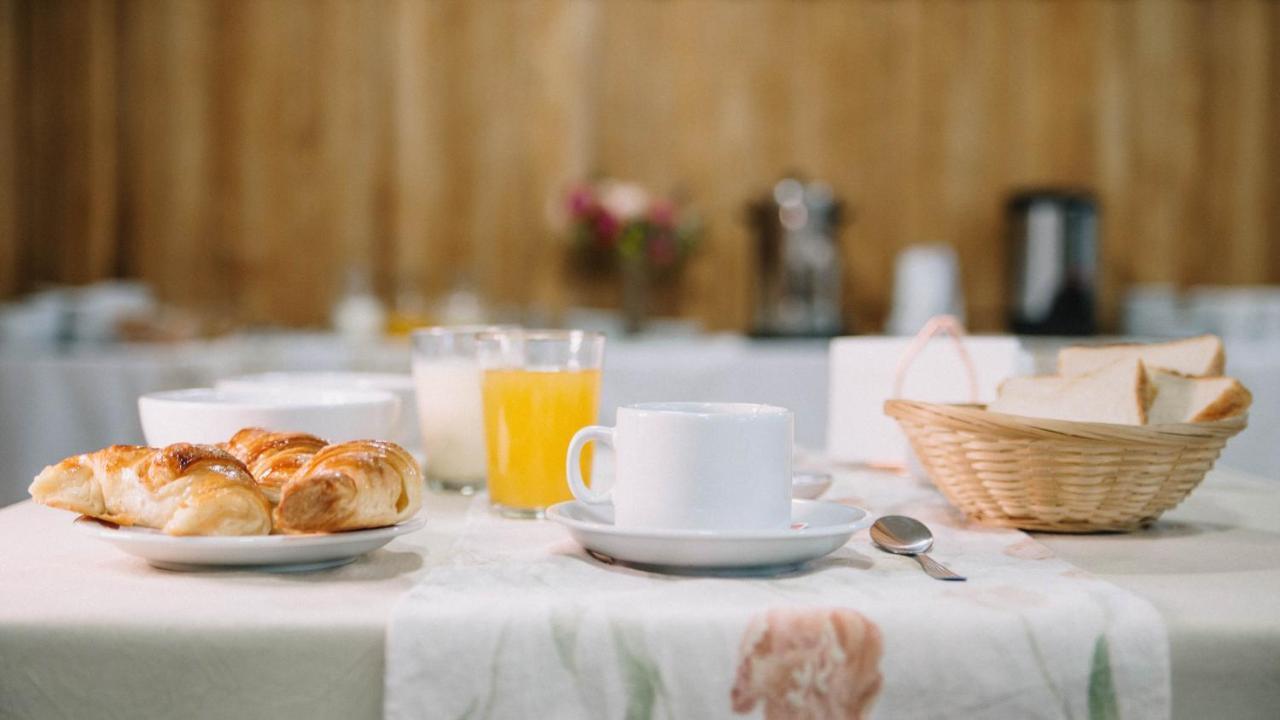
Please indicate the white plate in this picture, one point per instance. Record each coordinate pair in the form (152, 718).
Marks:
(272, 553)
(819, 528)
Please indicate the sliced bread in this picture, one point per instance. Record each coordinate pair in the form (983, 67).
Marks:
(1182, 399)
(1196, 356)
(1117, 393)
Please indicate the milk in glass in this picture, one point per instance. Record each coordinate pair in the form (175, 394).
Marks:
(451, 415)
(446, 372)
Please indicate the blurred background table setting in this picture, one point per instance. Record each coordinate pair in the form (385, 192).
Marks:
(416, 359)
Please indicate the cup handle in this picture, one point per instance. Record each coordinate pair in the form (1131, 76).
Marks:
(573, 463)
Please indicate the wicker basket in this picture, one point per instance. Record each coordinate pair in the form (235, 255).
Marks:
(1059, 476)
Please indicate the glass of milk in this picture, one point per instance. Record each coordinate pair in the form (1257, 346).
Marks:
(446, 374)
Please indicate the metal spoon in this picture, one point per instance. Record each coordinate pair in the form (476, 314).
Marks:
(902, 535)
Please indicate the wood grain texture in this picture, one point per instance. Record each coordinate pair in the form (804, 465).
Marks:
(1271, 132)
(244, 156)
(10, 117)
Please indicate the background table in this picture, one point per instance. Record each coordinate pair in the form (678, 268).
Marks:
(58, 404)
(87, 631)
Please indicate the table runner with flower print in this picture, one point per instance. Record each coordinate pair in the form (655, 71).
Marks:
(523, 623)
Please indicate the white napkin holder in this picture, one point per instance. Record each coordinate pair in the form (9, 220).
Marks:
(863, 372)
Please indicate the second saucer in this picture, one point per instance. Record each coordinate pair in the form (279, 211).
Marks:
(818, 529)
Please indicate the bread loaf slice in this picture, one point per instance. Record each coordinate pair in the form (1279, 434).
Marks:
(1197, 356)
(1117, 393)
(1182, 399)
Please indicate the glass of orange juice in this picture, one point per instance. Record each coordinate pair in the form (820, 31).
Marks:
(539, 387)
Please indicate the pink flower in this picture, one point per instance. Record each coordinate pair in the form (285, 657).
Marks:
(606, 229)
(663, 213)
(1028, 549)
(999, 597)
(581, 201)
(809, 664)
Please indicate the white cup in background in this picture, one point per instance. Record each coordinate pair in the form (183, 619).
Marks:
(694, 466)
(926, 282)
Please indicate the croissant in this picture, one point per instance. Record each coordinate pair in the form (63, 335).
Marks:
(182, 489)
(273, 458)
(351, 485)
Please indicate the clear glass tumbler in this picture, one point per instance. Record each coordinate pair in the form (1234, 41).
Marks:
(446, 374)
(539, 388)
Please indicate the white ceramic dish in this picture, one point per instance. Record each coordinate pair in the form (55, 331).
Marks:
(269, 553)
(807, 485)
(405, 431)
(208, 415)
(819, 528)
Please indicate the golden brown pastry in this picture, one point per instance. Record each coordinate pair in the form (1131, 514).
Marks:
(352, 485)
(273, 457)
(182, 489)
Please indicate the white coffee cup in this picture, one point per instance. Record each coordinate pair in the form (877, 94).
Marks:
(694, 466)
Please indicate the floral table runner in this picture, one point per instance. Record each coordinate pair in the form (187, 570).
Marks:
(521, 622)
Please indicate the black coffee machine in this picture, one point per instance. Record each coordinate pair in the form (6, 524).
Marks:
(1053, 258)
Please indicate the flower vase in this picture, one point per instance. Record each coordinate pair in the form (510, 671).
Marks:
(635, 295)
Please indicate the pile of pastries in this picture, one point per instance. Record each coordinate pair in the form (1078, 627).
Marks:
(256, 483)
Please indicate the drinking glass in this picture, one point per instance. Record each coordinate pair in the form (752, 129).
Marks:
(446, 373)
(539, 388)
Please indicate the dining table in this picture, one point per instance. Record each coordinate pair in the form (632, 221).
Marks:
(66, 400)
(87, 631)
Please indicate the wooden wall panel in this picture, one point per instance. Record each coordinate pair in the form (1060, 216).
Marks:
(168, 229)
(1272, 131)
(10, 115)
(64, 140)
(1235, 198)
(246, 156)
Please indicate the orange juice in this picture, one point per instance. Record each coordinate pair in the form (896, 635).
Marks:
(529, 418)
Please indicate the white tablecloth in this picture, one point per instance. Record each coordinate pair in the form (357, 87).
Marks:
(88, 632)
(524, 618)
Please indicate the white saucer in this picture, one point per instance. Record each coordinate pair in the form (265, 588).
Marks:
(270, 553)
(819, 529)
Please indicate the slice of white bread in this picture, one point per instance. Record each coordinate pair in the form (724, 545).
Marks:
(1196, 356)
(1183, 399)
(1117, 393)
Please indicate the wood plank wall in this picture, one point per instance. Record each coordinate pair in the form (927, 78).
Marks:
(241, 155)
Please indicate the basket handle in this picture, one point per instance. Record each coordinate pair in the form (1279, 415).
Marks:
(937, 324)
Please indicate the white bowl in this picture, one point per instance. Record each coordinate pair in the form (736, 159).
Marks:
(209, 415)
(405, 432)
